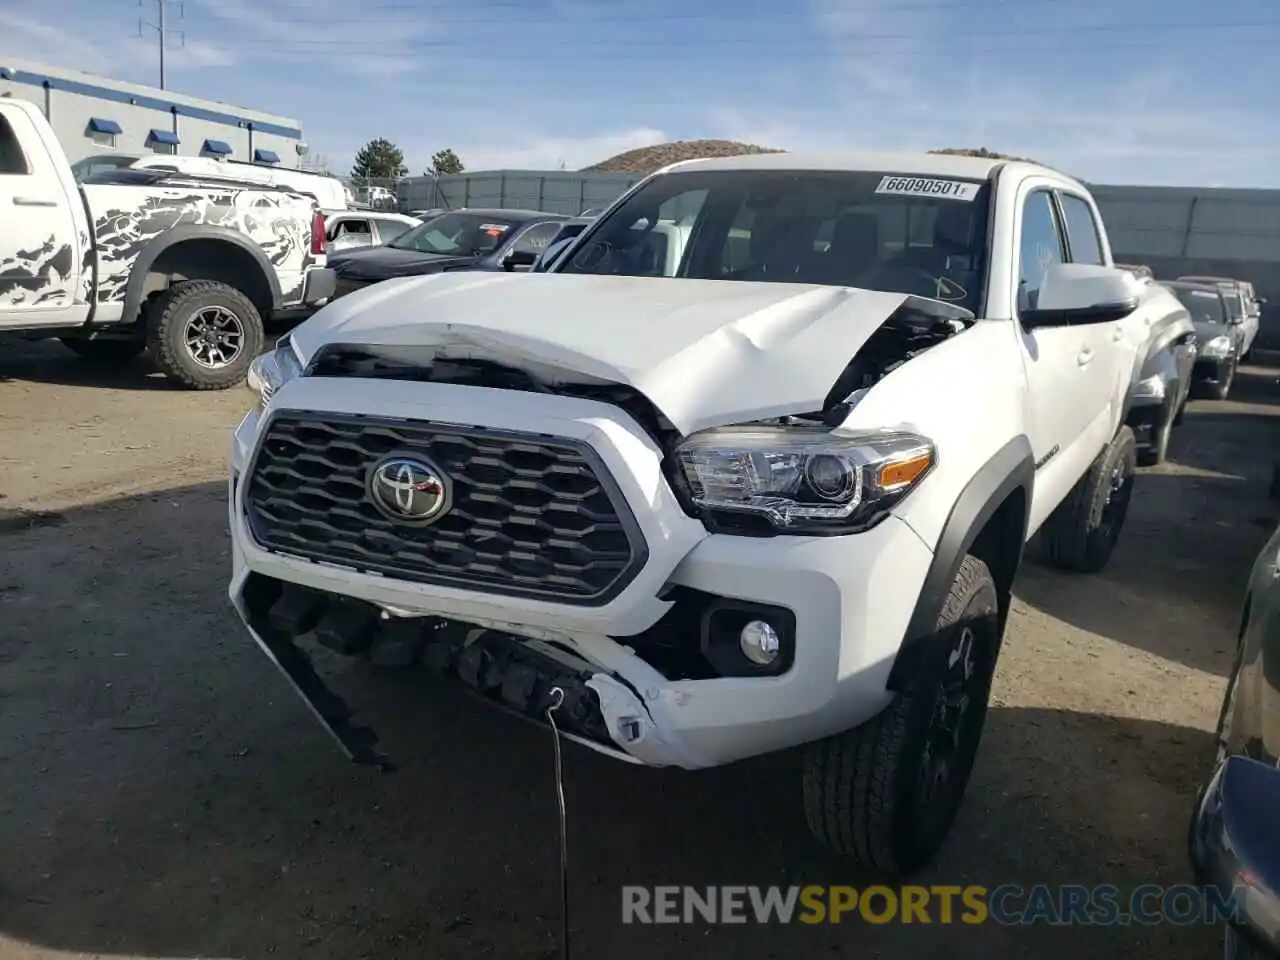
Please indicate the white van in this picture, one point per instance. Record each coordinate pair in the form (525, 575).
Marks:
(331, 192)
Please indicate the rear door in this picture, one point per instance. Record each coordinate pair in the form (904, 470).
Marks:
(40, 241)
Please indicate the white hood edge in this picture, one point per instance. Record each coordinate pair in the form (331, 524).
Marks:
(706, 353)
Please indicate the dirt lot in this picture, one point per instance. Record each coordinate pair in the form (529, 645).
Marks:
(163, 794)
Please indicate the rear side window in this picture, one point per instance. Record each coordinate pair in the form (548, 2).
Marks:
(1082, 231)
(536, 238)
(13, 162)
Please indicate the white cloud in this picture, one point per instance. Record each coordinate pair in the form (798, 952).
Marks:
(130, 58)
(326, 32)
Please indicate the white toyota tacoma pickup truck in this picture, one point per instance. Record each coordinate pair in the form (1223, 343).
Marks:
(770, 494)
(185, 267)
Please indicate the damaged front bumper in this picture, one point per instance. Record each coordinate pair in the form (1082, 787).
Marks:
(633, 684)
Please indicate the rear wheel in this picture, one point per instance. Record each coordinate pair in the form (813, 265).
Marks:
(1081, 533)
(886, 793)
(105, 352)
(204, 334)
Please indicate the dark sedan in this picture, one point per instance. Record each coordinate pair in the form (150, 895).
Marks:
(1220, 336)
(466, 239)
(1235, 834)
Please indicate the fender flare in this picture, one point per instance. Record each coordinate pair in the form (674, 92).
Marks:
(1012, 467)
(143, 263)
(1148, 362)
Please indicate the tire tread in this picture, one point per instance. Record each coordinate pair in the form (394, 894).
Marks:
(851, 780)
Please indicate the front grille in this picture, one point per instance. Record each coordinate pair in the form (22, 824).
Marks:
(530, 515)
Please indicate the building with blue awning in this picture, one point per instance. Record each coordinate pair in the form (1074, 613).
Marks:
(94, 116)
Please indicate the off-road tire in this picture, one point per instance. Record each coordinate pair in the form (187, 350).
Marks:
(863, 790)
(106, 353)
(1157, 451)
(167, 319)
(1081, 534)
(1236, 947)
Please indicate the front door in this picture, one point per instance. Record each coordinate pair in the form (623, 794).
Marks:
(39, 265)
(1068, 367)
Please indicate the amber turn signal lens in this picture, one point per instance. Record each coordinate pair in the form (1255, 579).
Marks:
(902, 472)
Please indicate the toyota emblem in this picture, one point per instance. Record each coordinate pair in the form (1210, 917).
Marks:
(409, 489)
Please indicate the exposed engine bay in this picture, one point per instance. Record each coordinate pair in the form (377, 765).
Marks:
(918, 325)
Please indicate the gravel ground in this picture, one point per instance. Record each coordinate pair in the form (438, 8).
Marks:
(165, 795)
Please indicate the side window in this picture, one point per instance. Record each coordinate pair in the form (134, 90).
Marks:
(388, 230)
(1040, 246)
(536, 238)
(349, 226)
(13, 162)
(1082, 231)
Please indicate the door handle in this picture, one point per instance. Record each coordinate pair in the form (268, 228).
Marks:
(1118, 333)
(1084, 357)
(33, 202)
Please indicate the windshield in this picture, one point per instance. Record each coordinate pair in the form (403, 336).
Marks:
(878, 231)
(456, 234)
(1235, 308)
(1205, 306)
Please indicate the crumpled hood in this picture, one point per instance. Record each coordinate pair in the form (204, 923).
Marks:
(705, 352)
(384, 263)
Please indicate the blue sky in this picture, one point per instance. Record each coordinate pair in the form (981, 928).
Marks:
(1115, 91)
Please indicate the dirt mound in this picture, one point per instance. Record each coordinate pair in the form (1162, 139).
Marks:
(648, 159)
(981, 152)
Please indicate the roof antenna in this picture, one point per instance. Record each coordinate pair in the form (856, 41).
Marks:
(557, 698)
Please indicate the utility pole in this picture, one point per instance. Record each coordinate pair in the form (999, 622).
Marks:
(162, 31)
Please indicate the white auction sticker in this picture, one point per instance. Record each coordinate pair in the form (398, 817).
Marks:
(926, 187)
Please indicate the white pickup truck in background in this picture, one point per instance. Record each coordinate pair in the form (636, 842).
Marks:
(187, 268)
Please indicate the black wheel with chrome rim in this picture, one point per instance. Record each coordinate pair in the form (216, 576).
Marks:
(204, 334)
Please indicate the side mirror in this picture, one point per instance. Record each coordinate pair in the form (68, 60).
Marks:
(551, 254)
(1235, 846)
(517, 259)
(1079, 293)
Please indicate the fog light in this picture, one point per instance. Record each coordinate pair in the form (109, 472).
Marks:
(759, 642)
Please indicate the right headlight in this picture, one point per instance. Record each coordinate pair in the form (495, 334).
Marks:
(801, 479)
(272, 370)
(1217, 347)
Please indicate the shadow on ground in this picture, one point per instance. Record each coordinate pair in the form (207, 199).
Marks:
(1175, 584)
(168, 796)
(48, 361)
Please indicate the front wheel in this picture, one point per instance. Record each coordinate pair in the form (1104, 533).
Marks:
(1158, 450)
(886, 793)
(1236, 947)
(1223, 387)
(204, 334)
(1081, 533)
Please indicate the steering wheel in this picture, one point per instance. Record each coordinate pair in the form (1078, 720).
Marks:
(934, 282)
